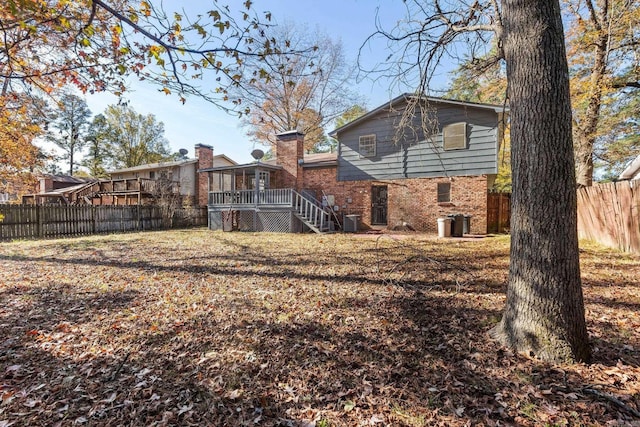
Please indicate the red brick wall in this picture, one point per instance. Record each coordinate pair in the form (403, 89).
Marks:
(414, 201)
(352, 197)
(289, 150)
(410, 201)
(204, 154)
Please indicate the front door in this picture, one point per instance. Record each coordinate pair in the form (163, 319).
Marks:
(379, 205)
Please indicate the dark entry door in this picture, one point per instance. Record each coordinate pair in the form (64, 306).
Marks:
(379, 205)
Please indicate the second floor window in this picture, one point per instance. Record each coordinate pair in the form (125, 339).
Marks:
(454, 136)
(367, 146)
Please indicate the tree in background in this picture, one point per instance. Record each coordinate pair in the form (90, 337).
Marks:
(94, 45)
(352, 113)
(132, 139)
(616, 148)
(544, 312)
(69, 126)
(604, 59)
(97, 140)
(486, 86)
(17, 132)
(18, 155)
(303, 92)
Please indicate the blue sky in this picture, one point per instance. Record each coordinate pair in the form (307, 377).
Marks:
(197, 121)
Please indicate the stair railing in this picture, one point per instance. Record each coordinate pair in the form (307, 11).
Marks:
(310, 211)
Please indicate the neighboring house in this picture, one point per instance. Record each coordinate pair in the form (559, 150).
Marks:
(55, 189)
(49, 182)
(632, 171)
(182, 173)
(386, 175)
(139, 184)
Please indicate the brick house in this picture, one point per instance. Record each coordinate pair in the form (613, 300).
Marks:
(388, 178)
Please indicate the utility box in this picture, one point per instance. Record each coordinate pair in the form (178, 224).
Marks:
(350, 223)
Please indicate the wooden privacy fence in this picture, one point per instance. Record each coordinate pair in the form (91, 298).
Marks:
(498, 212)
(609, 213)
(24, 222)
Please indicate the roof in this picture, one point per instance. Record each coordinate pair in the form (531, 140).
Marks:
(66, 178)
(320, 159)
(632, 171)
(246, 166)
(311, 160)
(65, 190)
(149, 166)
(406, 96)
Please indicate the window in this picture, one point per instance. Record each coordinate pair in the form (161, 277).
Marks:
(367, 146)
(454, 136)
(152, 175)
(444, 192)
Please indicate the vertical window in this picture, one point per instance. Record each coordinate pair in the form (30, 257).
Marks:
(263, 176)
(454, 136)
(444, 192)
(367, 146)
(152, 175)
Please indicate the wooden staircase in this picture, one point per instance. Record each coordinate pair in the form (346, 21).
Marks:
(311, 213)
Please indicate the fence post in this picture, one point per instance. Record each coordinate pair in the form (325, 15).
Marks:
(39, 219)
(93, 219)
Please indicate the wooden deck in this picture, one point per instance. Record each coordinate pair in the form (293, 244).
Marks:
(266, 210)
(92, 193)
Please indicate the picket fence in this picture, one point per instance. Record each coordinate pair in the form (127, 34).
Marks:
(609, 213)
(28, 221)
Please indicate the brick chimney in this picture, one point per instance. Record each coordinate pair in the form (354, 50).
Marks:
(290, 155)
(46, 183)
(204, 154)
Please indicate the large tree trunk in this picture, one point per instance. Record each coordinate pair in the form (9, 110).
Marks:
(544, 313)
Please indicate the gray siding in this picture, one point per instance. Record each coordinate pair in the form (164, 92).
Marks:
(413, 155)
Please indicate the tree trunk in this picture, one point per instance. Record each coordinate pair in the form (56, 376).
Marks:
(584, 158)
(544, 313)
(587, 125)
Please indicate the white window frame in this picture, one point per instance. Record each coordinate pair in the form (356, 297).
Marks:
(367, 145)
(454, 136)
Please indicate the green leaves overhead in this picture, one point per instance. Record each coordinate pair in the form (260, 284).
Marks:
(96, 44)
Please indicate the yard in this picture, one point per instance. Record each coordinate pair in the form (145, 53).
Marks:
(228, 329)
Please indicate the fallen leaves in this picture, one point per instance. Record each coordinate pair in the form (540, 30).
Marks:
(201, 328)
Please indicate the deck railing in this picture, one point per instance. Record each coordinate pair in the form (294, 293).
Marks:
(308, 210)
(278, 196)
